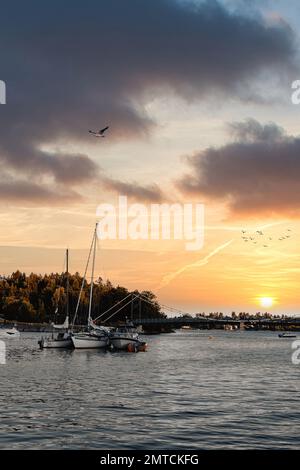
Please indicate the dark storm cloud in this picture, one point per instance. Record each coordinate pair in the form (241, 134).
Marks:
(151, 193)
(71, 66)
(259, 173)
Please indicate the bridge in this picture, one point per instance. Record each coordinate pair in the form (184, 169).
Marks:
(209, 323)
(165, 323)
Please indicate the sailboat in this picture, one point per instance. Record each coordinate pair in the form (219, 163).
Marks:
(62, 339)
(95, 337)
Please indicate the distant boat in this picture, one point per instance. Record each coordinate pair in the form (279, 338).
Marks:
(62, 339)
(228, 327)
(287, 335)
(9, 332)
(95, 337)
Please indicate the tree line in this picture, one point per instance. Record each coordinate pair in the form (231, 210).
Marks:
(241, 316)
(36, 298)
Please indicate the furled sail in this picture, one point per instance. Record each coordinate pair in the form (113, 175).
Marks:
(93, 326)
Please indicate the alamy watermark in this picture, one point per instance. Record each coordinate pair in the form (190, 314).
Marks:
(296, 353)
(2, 92)
(152, 222)
(2, 352)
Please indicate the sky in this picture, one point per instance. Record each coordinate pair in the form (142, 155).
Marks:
(197, 96)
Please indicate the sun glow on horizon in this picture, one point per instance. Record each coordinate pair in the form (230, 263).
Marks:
(266, 302)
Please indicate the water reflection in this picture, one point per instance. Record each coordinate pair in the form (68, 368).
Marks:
(238, 390)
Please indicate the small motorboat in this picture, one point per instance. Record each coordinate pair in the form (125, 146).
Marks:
(9, 332)
(287, 335)
(122, 337)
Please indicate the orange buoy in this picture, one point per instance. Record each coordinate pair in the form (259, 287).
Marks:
(130, 347)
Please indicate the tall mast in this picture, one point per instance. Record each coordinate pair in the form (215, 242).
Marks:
(92, 276)
(140, 309)
(132, 299)
(67, 274)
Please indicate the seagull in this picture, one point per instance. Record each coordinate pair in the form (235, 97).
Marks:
(259, 232)
(100, 133)
(244, 231)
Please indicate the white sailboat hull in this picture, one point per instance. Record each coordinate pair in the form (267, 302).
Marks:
(49, 343)
(89, 342)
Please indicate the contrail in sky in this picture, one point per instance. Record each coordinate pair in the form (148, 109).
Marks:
(201, 262)
(272, 224)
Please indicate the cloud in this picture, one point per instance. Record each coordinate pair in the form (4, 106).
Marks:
(258, 173)
(69, 68)
(251, 130)
(18, 191)
(68, 169)
(151, 193)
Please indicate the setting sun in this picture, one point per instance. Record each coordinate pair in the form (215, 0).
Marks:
(266, 302)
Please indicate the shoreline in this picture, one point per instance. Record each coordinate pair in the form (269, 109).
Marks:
(47, 328)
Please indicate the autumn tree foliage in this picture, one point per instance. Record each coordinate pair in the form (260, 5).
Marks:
(39, 298)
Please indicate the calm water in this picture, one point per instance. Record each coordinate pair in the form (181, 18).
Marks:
(237, 390)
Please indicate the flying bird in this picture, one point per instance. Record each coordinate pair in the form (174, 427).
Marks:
(100, 133)
(265, 240)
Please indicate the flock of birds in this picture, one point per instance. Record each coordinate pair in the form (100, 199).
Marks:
(261, 239)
